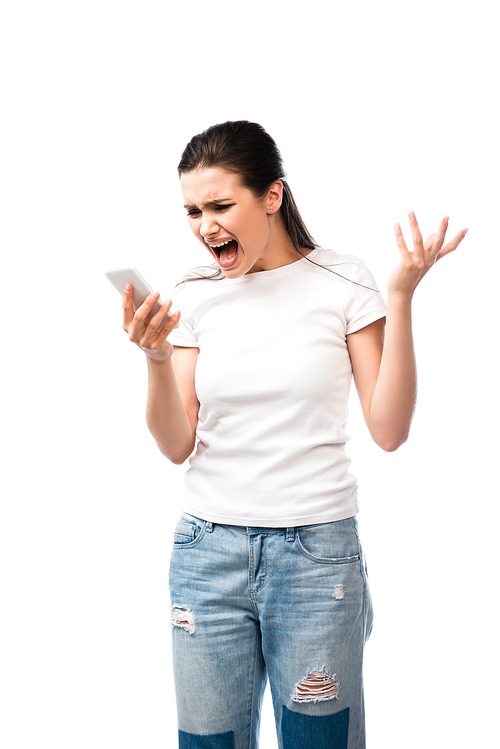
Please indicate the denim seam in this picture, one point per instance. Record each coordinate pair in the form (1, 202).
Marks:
(195, 542)
(365, 583)
(251, 745)
(252, 570)
(325, 560)
(360, 550)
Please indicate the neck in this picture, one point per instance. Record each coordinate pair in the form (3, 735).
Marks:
(280, 250)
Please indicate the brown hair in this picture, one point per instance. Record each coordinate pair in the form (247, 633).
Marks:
(246, 149)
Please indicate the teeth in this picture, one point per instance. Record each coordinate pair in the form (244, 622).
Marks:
(220, 245)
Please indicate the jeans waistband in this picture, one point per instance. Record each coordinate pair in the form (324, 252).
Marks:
(259, 531)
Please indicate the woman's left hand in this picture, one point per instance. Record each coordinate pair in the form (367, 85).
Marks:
(414, 265)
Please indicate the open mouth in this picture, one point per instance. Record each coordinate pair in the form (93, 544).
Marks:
(226, 252)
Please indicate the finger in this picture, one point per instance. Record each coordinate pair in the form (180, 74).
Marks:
(441, 232)
(153, 339)
(139, 323)
(128, 307)
(418, 242)
(428, 242)
(435, 241)
(171, 323)
(453, 244)
(142, 312)
(157, 319)
(400, 241)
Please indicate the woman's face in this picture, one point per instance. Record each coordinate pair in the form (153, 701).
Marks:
(229, 220)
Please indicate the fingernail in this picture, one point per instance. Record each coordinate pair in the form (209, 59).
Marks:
(412, 215)
(465, 231)
(127, 288)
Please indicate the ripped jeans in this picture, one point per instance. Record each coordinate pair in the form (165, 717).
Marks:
(288, 604)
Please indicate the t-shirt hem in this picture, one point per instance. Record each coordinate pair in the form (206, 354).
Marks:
(283, 522)
(372, 317)
(177, 340)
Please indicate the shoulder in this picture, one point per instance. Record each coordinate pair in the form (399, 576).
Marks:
(349, 268)
(198, 285)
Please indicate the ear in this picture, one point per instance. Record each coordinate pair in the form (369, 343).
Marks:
(274, 197)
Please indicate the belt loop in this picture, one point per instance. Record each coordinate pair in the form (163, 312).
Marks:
(290, 534)
(210, 526)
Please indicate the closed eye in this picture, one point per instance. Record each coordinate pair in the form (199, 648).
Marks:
(221, 207)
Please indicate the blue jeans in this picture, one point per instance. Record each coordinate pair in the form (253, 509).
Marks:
(288, 604)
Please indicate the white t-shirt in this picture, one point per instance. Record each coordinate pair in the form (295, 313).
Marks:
(272, 377)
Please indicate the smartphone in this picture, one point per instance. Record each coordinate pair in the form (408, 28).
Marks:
(141, 288)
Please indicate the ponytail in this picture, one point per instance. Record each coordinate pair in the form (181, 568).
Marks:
(293, 221)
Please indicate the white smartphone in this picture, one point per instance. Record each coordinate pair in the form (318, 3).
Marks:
(142, 290)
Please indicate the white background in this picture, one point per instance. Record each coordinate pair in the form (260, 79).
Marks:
(379, 108)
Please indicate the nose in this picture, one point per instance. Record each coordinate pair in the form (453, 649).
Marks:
(208, 225)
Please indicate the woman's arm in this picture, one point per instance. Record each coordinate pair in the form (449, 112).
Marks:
(383, 361)
(172, 405)
(383, 364)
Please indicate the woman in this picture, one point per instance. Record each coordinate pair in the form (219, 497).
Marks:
(267, 572)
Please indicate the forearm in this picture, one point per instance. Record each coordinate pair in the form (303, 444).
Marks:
(166, 415)
(384, 365)
(394, 397)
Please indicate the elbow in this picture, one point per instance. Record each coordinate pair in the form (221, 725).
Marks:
(178, 456)
(391, 430)
(391, 443)
(390, 437)
(177, 460)
(182, 453)
(176, 449)
(390, 447)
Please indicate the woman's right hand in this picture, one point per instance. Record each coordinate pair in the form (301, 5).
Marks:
(146, 335)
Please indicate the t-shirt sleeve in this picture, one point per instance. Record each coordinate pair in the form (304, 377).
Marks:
(184, 334)
(364, 303)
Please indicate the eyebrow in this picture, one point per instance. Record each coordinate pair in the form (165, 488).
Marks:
(215, 201)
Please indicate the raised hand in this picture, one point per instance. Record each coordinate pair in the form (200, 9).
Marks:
(413, 265)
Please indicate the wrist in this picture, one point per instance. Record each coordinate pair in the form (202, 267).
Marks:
(155, 363)
(401, 298)
(399, 307)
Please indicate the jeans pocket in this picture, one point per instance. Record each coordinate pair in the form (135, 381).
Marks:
(188, 531)
(330, 543)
